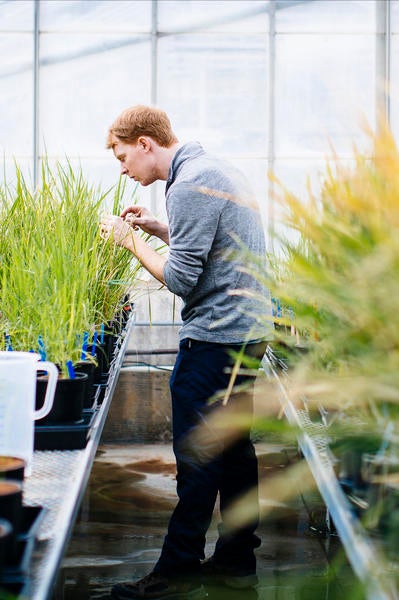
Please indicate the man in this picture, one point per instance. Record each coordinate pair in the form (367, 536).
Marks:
(210, 212)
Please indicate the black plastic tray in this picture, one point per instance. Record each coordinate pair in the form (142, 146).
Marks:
(16, 568)
(64, 436)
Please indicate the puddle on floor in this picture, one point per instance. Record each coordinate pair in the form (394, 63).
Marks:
(124, 515)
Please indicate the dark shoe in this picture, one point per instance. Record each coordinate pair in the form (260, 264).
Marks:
(155, 586)
(233, 577)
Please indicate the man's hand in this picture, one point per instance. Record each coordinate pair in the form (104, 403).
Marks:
(140, 216)
(122, 232)
(123, 235)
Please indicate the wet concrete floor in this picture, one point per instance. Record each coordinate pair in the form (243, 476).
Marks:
(124, 515)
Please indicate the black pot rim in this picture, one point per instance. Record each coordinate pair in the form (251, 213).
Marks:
(78, 375)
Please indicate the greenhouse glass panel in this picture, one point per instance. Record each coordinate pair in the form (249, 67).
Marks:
(95, 15)
(296, 175)
(158, 195)
(103, 174)
(395, 16)
(215, 89)
(325, 91)
(85, 82)
(336, 16)
(394, 87)
(8, 171)
(16, 94)
(201, 15)
(16, 16)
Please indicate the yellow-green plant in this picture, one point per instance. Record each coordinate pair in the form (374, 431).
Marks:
(337, 270)
(339, 273)
(343, 280)
(58, 278)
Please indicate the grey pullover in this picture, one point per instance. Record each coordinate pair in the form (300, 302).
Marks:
(208, 203)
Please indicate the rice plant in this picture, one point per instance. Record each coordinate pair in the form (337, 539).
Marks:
(58, 278)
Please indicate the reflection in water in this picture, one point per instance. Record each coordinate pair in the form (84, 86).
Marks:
(124, 516)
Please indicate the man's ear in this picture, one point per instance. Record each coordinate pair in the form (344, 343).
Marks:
(144, 143)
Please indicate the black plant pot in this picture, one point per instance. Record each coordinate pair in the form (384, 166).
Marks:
(110, 340)
(6, 535)
(11, 510)
(126, 312)
(102, 363)
(68, 399)
(104, 355)
(88, 367)
(12, 468)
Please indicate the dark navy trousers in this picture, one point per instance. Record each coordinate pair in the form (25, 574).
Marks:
(214, 454)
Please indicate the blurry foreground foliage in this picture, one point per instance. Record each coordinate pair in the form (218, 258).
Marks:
(337, 279)
(335, 276)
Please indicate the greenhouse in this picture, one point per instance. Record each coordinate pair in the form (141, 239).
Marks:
(199, 283)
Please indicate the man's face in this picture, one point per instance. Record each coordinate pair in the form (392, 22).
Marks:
(136, 161)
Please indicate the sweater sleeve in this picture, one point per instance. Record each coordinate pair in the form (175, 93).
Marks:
(193, 221)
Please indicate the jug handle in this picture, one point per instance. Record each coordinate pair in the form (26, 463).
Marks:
(50, 390)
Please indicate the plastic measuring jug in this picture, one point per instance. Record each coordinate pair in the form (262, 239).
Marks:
(17, 402)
